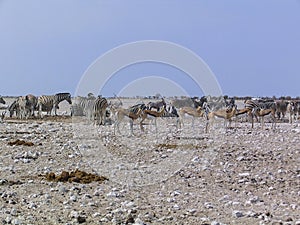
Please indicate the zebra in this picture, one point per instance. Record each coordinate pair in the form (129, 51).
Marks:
(99, 110)
(24, 106)
(170, 111)
(24, 110)
(31, 103)
(292, 110)
(198, 102)
(84, 105)
(21, 107)
(281, 108)
(255, 108)
(13, 107)
(297, 108)
(50, 102)
(2, 116)
(2, 100)
(157, 105)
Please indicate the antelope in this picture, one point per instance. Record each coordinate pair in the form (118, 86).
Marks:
(133, 113)
(253, 105)
(225, 114)
(194, 112)
(150, 114)
(241, 112)
(260, 112)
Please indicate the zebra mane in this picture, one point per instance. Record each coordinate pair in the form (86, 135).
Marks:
(63, 93)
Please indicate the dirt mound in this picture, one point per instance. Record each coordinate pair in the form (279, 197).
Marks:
(20, 142)
(77, 176)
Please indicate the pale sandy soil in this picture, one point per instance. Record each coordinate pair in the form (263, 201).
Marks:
(184, 176)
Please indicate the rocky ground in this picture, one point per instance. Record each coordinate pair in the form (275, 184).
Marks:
(185, 176)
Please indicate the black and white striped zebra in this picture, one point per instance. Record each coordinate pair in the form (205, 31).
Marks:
(255, 106)
(84, 106)
(2, 100)
(13, 108)
(31, 103)
(157, 105)
(21, 107)
(99, 110)
(293, 110)
(250, 104)
(170, 111)
(50, 102)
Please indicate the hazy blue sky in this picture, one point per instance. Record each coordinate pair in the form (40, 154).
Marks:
(252, 46)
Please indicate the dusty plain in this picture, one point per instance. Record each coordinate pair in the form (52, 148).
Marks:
(175, 176)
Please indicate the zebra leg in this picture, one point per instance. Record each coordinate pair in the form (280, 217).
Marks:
(131, 126)
(290, 118)
(250, 115)
(54, 109)
(103, 120)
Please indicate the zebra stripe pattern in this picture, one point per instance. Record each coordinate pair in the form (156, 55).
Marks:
(84, 106)
(254, 107)
(51, 102)
(251, 104)
(99, 110)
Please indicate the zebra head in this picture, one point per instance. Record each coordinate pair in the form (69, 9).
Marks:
(12, 108)
(2, 100)
(63, 96)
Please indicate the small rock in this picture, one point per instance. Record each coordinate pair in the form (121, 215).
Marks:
(237, 214)
(15, 222)
(8, 219)
(138, 221)
(81, 219)
(112, 194)
(74, 214)
(13, 212)
(244, 174)
(177, 207)
(73, 198)
(215, 223)
(208, 205)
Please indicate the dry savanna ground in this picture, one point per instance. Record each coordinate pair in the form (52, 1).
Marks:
(63, 170)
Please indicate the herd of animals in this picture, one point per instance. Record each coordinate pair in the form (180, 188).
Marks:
(99, 110)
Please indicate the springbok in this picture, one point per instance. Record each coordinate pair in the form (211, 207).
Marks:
(194, 112)
(150, 114)
(133, 113)
(225, 114)
(261, 113)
